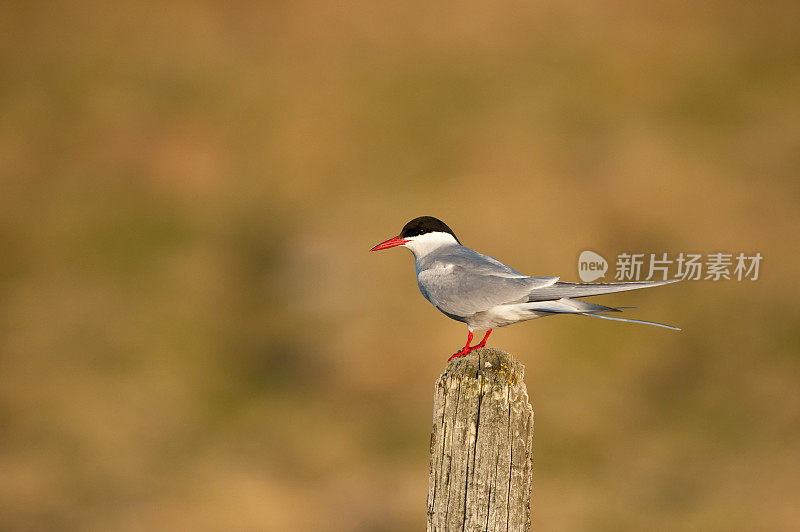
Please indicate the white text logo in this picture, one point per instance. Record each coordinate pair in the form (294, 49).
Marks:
(591, 266)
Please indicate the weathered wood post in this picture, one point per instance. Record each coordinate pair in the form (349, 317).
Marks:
(481, 443)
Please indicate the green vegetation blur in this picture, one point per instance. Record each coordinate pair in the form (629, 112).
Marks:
(193, 335)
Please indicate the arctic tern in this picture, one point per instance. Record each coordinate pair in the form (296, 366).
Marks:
(484, 293)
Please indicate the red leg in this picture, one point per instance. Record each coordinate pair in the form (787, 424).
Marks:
(483, 342)
(464, 350)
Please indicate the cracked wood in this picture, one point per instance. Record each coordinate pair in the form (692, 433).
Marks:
(481, 440)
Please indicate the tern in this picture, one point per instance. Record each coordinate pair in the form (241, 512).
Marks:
(484, 293)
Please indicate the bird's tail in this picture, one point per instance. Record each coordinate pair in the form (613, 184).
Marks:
(560, 290)
(584, 308)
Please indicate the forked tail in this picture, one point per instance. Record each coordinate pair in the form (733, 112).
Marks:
(584, 308)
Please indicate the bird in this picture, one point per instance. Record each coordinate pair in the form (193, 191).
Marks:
(484, 293)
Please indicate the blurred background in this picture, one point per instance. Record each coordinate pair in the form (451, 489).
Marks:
(193, 335)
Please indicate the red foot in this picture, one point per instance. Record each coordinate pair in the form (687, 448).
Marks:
(467, 349)
(464, 351)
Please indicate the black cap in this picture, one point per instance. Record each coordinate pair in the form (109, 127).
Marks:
(424, 225)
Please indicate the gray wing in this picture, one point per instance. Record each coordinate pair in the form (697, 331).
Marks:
(476, 263)
(462, 282)
(559, 290)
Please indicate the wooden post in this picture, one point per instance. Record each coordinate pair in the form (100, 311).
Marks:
(481, 442)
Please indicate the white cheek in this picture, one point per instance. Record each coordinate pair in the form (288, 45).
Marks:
(423, 244)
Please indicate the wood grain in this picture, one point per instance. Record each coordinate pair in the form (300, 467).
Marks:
(481, 446)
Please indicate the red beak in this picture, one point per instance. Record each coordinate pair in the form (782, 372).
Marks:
(392, 242)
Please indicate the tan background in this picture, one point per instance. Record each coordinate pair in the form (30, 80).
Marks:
(193, 335)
